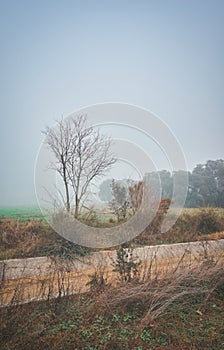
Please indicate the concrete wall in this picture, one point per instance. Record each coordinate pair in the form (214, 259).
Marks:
(24, 268)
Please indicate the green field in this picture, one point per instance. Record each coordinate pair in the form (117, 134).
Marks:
(21, 213)
(91, 218)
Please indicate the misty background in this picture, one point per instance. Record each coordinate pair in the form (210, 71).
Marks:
(57, 57)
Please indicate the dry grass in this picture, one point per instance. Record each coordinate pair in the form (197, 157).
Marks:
(25, 239)
(20, 239)
(192, 225)
(157, 286)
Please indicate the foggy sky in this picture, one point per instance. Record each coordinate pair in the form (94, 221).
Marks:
(59, 56)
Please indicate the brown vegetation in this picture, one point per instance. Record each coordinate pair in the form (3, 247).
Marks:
(20, 239)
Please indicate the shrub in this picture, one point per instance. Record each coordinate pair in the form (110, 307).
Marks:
(65, 249)
(126, 264)
(208, 221)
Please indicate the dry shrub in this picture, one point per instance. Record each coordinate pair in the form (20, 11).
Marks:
(126, 265)
(19, 238)
(154, 228)
(65, 250)
(197, 224)
(98, 280)
(136, 194)
(157, 293)
(13, 232)
(208, 221)
(192, 225)
(34, 238)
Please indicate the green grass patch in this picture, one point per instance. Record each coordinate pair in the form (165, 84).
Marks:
(20, 213)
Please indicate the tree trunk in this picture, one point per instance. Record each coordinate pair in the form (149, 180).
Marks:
(76, 206)
(67, 198)
(66, 190)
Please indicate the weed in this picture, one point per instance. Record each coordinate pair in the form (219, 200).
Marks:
(146, 336)
(126, 265)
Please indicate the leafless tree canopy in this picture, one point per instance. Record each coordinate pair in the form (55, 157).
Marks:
(82, 154)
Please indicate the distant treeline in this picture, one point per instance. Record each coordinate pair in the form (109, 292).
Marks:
(206, 184)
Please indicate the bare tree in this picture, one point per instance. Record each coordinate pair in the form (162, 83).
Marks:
(60, 140)
(82, 155)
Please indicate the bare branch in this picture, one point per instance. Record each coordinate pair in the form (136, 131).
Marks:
(82, 155)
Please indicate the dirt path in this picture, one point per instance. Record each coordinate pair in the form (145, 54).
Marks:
(23, 280)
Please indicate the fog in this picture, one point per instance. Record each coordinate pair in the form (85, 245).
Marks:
(57, 57)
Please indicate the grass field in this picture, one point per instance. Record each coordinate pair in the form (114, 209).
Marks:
(32, 213)
(21, 213)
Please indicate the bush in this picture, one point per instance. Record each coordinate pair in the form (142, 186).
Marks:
(208, 221)
(126, 265)
(64, 249)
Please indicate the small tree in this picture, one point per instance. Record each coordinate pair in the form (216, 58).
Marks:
(119, 202)
(136, 194)
(82, 154)
(105, 191)
(126, 265)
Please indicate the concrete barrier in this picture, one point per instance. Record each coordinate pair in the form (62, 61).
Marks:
(23, 268)
(40, 276)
